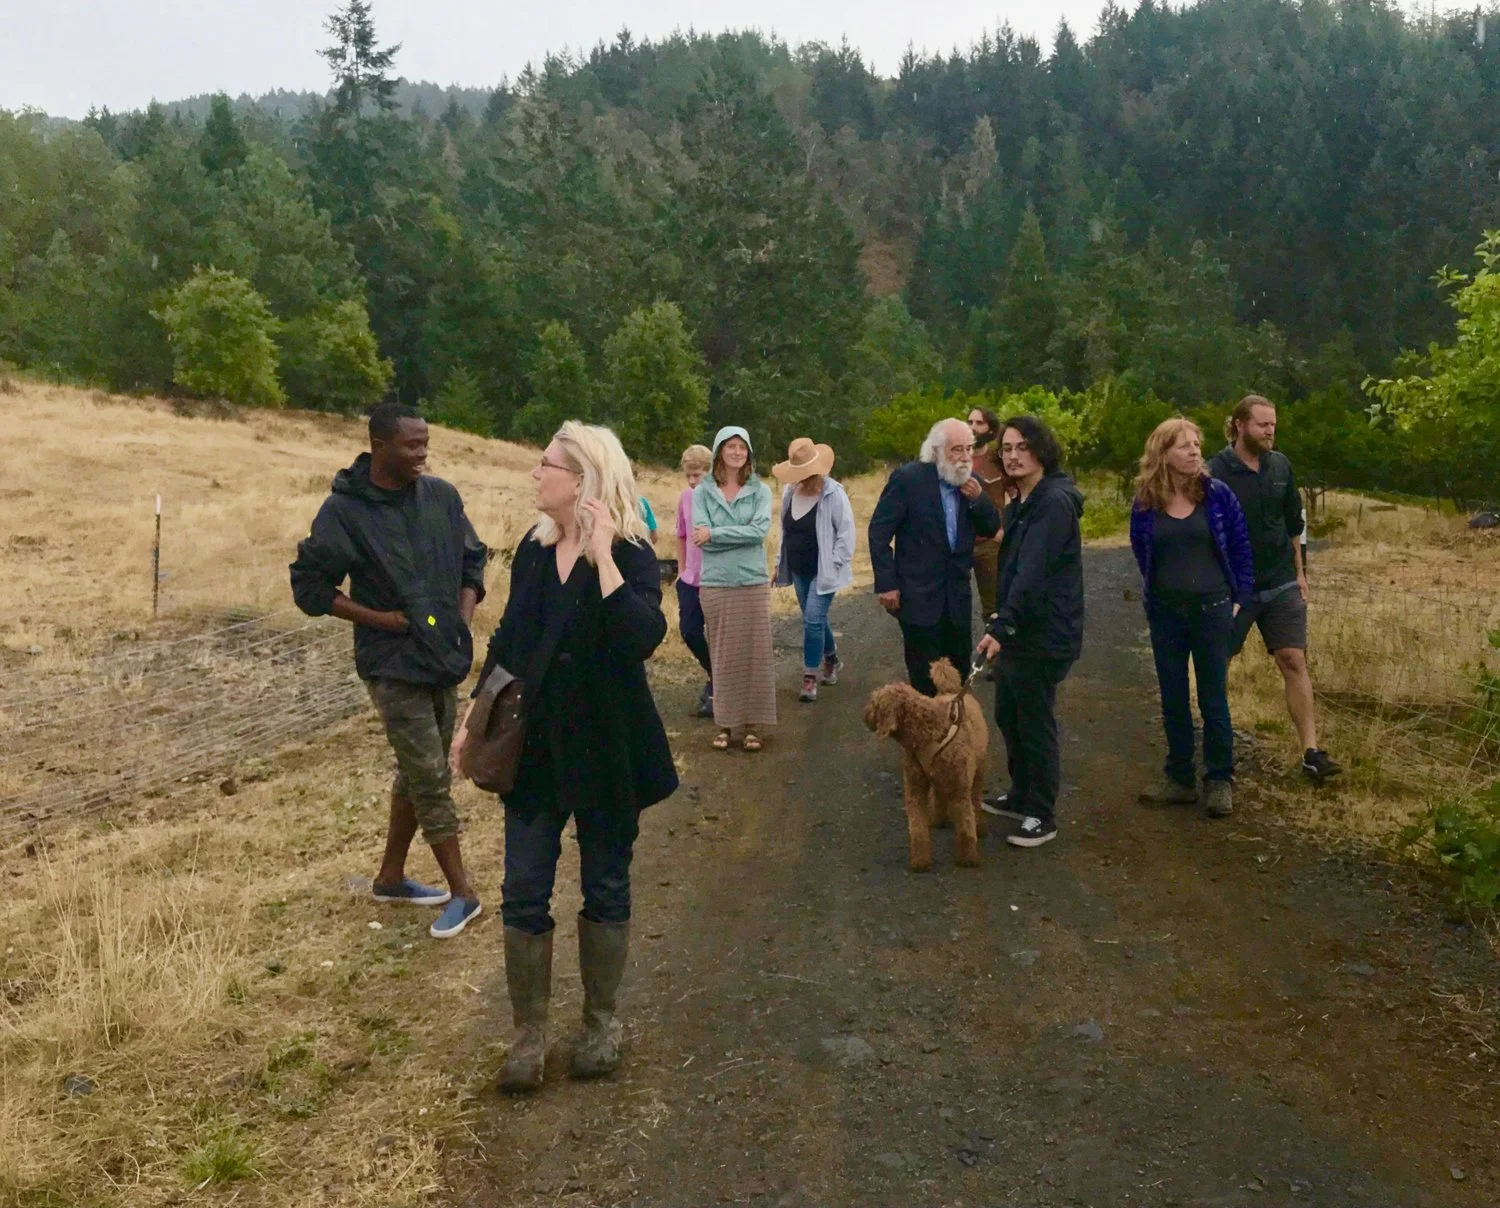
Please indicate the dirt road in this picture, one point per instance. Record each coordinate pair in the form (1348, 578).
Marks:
(1153, 1010)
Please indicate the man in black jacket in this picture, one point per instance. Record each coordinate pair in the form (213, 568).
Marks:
(931, 509)
(1262, 480)
(1037, 629)
(416, 572)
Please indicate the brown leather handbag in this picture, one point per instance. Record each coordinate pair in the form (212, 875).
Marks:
(497, 733)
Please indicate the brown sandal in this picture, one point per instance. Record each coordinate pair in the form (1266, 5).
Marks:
(752, 743)
(721, 741)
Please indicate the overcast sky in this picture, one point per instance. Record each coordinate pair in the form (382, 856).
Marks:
(61, 56)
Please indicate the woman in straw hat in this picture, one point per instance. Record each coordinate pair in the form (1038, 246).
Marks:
(817, 553)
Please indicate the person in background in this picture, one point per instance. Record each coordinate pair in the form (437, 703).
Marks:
(583, 616)
(731, 518)
(697, 460)
(1262, 480)
(817, 553)
(931, 511)
(985, 425)
(1036, 634)
(416, 572)
(649, 518)
(1193, 547)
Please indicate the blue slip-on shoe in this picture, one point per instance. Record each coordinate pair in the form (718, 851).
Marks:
(456, 915)
(414, 893)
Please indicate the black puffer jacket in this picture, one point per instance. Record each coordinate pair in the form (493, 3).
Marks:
(411, 550)
(1039, 598)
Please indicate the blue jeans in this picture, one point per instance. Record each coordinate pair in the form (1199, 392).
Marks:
(606, 843)
(1201, 632)
(817, 633)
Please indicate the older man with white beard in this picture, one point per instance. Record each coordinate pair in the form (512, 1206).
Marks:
(931, 510)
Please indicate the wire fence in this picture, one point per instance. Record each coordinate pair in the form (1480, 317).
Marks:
(155, 717)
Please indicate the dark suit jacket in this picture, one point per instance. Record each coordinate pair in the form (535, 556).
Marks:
(594, 739)
(932, 579)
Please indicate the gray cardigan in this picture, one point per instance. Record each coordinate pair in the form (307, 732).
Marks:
(835, 527)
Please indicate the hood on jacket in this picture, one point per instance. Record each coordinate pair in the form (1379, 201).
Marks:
(1058, 483)
(355, 482)
(725, 433)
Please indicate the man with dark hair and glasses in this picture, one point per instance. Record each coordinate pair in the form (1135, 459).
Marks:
(415, 570)
(1036, 633)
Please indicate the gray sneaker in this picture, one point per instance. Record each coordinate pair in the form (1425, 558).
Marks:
(1218, 799)
(1168, 792)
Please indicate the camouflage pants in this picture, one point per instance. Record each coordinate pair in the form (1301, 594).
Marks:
(419, 724)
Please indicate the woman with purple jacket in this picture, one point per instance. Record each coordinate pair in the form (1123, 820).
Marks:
(1193, 547)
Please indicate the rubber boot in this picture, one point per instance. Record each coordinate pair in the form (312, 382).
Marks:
(528, 977)
(602, 949)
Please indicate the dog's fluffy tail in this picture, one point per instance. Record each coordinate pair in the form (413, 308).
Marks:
(945, 678)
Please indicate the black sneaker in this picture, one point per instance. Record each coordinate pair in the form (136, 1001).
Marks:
(999, 806)
(1032, 832)
(1318, 766)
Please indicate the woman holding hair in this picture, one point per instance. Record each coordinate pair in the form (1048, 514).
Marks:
(1193, 547)
(817, 553)
(584, 615)
(731, 517)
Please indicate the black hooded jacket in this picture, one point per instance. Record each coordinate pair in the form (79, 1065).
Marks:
(1039, 596)
(412, 551)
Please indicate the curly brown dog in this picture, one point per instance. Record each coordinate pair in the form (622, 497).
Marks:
(941, 786)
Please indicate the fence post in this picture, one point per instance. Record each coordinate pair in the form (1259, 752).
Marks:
(156, 562)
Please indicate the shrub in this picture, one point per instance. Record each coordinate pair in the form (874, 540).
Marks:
(461, 404)
(330, 360)
(222, 335)
(1465, 837)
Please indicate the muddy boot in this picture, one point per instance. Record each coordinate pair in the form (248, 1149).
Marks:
(602, 948)
(528, 976)
(1169, 792)
(1218, 799)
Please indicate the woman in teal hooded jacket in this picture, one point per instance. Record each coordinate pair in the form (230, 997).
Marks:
(731, 518)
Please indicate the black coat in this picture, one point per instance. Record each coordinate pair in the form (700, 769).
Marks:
(1039, 593)
(594, 739)
(412, 551)
(932, 579)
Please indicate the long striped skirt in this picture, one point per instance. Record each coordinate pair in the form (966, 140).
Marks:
(738, 623)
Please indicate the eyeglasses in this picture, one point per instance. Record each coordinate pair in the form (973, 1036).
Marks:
(552, 465)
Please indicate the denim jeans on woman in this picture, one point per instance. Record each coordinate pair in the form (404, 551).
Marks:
(817, 633)
(606, 844)
(1181, 630)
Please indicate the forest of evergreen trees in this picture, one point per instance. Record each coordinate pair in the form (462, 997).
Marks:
(1187, 205)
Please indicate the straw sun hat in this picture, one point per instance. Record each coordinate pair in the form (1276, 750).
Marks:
(803, 460)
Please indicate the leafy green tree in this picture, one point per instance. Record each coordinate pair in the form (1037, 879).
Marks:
(360, 67)
(1446, 400)
(330, 361)
(657, 397)
(1016, 333)
(223, 342)
(561, 388)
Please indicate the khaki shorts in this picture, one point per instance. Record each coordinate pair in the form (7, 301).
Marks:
(419, 723)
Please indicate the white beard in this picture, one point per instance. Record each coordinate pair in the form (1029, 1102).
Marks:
(953, 475)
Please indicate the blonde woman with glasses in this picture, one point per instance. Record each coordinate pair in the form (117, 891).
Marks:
(584, 615)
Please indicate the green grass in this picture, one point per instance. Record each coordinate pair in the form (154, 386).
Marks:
(1106, 511)
(224, 1154)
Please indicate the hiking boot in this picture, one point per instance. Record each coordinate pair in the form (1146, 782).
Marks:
(1032, 832)
(832, 665)
(706, 701)
(1169, 792)
(809, 687)
(1318, 766)
(1218, 799)
(602, 949)
(528, 977)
